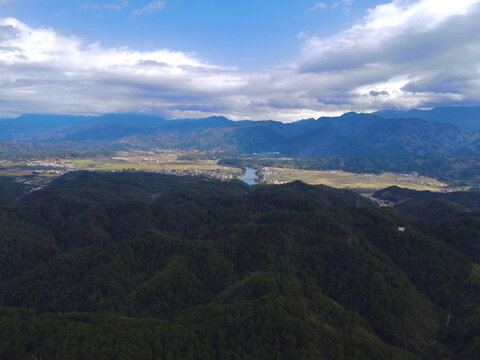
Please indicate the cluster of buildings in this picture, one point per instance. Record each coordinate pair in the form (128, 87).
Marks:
(379, 202)
(364, 176)
(224, 175)
(413, 178)
(49, 167)
(268, 175)
(48, 163)
(51, 171)
(409, 175)
(153, 160)
(446, 190)
(418, 181)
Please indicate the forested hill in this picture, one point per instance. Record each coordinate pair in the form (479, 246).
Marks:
(133, 265)
(348, 136)
(429, 205)
(464, 117)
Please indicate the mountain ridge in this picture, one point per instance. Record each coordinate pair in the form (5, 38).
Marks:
(346, 136)
(465, 117)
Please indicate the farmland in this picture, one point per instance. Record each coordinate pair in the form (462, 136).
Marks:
(341, 179)
(39, 172)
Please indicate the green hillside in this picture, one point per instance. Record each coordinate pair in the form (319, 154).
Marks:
(146, 266)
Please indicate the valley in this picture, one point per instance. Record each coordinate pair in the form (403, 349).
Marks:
(238, 180)
(186, 163)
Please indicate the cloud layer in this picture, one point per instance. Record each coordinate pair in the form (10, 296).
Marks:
(403, 54)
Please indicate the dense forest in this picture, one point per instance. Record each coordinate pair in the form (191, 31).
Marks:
(149, 266)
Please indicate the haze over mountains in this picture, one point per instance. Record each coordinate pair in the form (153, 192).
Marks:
(466, 118)
(438, 133)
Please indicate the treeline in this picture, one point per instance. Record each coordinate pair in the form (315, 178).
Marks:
(132, 265)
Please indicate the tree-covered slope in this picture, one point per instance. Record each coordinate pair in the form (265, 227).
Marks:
(10, 190)
(429, 205)
(130, 265)
(349, 136)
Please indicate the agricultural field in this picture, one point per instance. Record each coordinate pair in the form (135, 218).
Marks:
(40, 172)
(148, 161)
(367, 183)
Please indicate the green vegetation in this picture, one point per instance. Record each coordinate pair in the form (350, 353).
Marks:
(431, 206)
(15, 151)
(135, 265)
(10, 190)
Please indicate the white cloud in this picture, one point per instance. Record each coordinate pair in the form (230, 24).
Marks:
(433, 45)
(402, 54)
(346, 5)
(318, 6)
(117, 6)
(151, 7)
(44, 71)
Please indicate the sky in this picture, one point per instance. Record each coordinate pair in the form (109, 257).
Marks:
(282, 60)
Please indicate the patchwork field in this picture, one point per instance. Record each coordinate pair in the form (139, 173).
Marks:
(342, 179)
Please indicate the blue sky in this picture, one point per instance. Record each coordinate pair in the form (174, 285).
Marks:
(281, 60)
(230, 32)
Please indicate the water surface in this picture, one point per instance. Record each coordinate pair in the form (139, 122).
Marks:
(250, 176)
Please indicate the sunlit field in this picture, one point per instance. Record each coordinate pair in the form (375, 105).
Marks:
(168, 162)
(366, 182)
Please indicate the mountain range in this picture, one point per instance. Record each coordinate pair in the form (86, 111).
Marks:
(440, 133)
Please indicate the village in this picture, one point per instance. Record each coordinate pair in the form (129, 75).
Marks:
(171, 162)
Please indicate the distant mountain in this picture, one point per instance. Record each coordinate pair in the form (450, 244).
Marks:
(349, 136)
(26, 126)
(466, 118)
(76, 128)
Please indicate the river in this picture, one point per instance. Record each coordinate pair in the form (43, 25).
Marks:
(250, 176)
